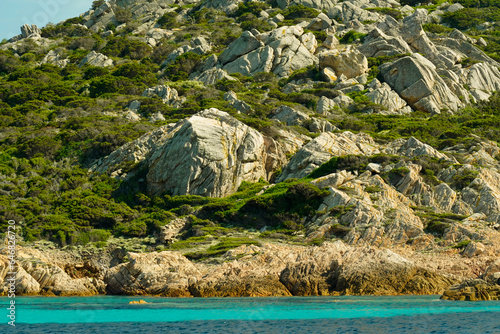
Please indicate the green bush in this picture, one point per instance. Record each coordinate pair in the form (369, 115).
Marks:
(169, 20)
(352, 36)
(299, 11)
(182, 66)
(470, 17)
(126, 47)
(222, 247)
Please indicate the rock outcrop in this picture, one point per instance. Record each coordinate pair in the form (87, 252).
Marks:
(166, 94)
(349, 62)
(280, 51)
(249, 270)
(209, 154)
(165, 274)
(324, 147)
(96, 59)
(416, 80)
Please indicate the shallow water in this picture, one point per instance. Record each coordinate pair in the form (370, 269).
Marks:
(111, 314)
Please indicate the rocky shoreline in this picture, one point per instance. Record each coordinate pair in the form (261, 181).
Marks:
(334, 268)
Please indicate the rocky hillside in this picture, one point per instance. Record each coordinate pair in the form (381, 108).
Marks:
(226, 148)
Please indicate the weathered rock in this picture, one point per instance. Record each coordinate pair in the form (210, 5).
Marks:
(259, 60)
(414, 35)
(211, 76)
(310, 276)
(280, 51)
(241, 46)
(164, 273)
(209, 154)
(377, 44)
(416, 80)
(133, 152)
(321, 22)
(290, 116)
(382, 272)
(37, 277)
(54, 58)
(166, 94)
(349, 62)
(473, 290)
(96, 59)
(389, 100)
(324, 147)
(413, 148)
(483, 79)
(325, 106)
(239, 105)
(30, 31)
(492, 273)
(169, 232)
(351, 12)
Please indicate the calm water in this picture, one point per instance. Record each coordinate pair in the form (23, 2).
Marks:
(109, 314)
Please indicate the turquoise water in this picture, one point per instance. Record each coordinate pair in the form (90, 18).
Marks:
(401, 314)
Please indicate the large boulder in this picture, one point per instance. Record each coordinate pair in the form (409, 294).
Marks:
(415, 79)
(377, 44)
(350, 62)
(323, 148)
(383, 272)
(389, 100)
(30, 31)
(281, 51)
(482, 80)
(133, 152)
(54, 58)
(96, 59)
(259, 60)
(164, 273)
(209, 154)
(241, 46)
(165, 93)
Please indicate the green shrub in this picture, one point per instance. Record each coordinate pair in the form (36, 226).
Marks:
(169, 20)
(299, 11)
(251, 7)
(222, 247)
(126, 47)
(470, 17)
(462, 244)
(436, 28)
(387, 11)
(182, 66)
(352, 36)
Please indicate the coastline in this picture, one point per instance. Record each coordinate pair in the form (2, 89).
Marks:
(271, 270)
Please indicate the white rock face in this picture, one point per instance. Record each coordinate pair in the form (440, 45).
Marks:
(412, 148)
(323, 148)
(210, 154)
(377, 44)
(388, 99)
(54, 58)
(133, 152)
(280, 51)
(325, 106)
(168, 95)
(414, 78)
(289, 116)
(483, 79)
(30, 31)
(349, 62)
(164, 273)
(96, 59)
(211, 76)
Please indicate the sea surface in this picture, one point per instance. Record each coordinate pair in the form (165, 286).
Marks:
(112, 314)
